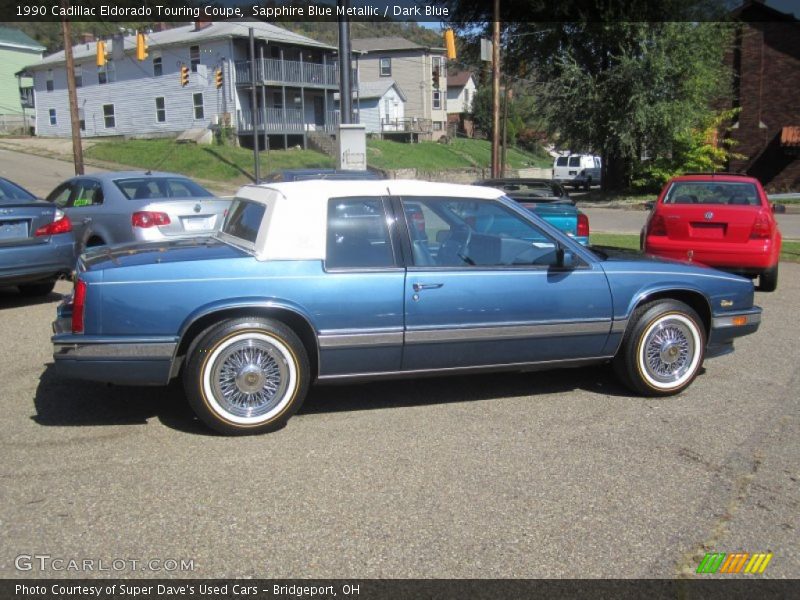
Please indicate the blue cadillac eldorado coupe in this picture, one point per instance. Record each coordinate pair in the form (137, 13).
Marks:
(322, 281)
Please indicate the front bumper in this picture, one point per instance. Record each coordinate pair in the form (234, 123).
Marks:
(725, 327)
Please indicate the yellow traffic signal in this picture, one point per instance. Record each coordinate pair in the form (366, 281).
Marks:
(219, 78)
(184, 76)
(450, 43)
(141, 47)
(101, 53)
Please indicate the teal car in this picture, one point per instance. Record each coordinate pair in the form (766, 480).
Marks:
(547, 199)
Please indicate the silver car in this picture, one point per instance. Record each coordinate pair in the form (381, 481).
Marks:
(127, 206)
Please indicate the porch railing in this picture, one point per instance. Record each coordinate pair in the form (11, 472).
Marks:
(278, 120)
(407, 125)
(273, 70)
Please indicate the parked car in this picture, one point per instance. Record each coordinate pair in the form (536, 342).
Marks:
(578, 170)
(331, 281)
(549, 200)
(721, 220)
(37, 244)
(126, 206)
(308, 174)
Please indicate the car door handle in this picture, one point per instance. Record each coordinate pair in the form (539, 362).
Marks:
(426, 286)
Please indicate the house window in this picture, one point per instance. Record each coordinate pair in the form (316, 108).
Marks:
(78, 74)
(194, 57)
(386, 67)
(274, 52)
(466, 100)
(107, 73)
(437, 125)
(198, 105)
(161, 110)
(437, 99)
(53, 120)
(49, 82)
(81, 119)
(108, 116)
(158, 66)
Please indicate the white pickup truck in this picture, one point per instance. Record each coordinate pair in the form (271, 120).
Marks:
(577, 170)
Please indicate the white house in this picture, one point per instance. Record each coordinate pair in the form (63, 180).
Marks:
(295, 79)
(461, 90)
(380, 106)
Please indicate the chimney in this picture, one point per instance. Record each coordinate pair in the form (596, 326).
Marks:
(86, 38)
(202, 24)
(160, 26)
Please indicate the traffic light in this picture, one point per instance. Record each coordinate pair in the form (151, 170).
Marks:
(219, 78)
(436, 78)
(450, 43)
(141, 47)
(101, 53)
(184, 75)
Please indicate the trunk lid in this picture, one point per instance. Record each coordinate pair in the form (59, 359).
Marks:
(170, 251)
(190, 216)
(20, 220)
(709, 222)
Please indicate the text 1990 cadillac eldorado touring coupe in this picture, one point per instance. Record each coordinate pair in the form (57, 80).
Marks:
(349, 280)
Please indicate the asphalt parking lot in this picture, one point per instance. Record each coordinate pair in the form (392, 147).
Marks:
(554, 474)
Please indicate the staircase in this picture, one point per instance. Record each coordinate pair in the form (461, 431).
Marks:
(322, 142)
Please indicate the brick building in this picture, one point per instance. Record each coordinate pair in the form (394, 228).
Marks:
(766, 65)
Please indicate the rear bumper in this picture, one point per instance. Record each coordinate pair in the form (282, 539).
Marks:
(750, 257)
(139, 361)
(37, 262)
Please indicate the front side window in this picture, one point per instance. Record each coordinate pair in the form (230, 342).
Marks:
(713, 192)
(561, 161)
(108, 116)
(161, 110)
(88, 193)
(60, 195)
(53, 119)
(198, 105)
(574, 161)
(357, 235)
(194, 57)
(467, 232)
(243, 220)
(386, 67)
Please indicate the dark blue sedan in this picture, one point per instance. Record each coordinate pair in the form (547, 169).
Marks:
(37, 245)
(331, 281)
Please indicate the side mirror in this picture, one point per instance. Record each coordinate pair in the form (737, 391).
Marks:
(649, 205)
(565, 259)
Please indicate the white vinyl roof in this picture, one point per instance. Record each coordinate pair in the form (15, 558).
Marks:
(295, 223)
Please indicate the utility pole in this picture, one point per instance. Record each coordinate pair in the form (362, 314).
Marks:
(496, 91)
(253, 105)
(345, 87)
(77, 149)
(506, 98)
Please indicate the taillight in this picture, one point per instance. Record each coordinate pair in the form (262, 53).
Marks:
(583, 225)
(78, 304)
(149, 218)
(657, 225)
(61, 224)
(762, 228)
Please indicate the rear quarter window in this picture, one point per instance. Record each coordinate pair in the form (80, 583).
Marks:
(561, 161)
(244, 220)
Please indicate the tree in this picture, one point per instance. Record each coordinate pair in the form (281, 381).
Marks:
(611, 86)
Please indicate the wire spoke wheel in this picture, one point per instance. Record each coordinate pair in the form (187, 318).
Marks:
(669, 348)
(249, 378)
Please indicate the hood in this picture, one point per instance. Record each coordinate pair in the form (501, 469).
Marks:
(169, 251)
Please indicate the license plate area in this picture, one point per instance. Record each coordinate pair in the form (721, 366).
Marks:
(197, 223)
(708, 231)
(14, 230)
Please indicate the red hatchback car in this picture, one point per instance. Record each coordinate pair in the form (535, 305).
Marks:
(720, 220)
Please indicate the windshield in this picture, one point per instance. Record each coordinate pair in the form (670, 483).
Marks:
(145, 188)
(712, 192)
(11, 193)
